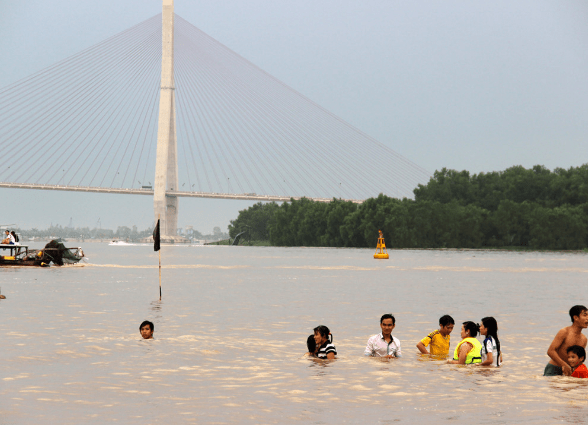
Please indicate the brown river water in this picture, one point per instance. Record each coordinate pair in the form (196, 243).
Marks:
(231, 331)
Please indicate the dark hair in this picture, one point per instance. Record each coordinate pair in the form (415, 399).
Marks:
(388, 316)
(324, 332)
(492, 326)
(311, 344)
(578, 351)
(472, 327)
(576, 311)
(16, 238)
(147, 322)
(446, 320)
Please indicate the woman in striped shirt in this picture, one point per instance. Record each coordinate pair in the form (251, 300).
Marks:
(324, 340)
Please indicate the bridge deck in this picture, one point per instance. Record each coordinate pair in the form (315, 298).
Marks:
(244, 196)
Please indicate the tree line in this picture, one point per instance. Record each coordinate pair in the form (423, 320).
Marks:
(534, 208)
(122, 232)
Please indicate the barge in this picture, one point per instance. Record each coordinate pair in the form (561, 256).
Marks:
(54, 253)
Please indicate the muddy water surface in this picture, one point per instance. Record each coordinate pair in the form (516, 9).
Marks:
(231, 330)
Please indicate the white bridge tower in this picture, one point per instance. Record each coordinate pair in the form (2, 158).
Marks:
(165, 203)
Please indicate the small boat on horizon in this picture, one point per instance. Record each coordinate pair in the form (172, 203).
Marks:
(120, 243)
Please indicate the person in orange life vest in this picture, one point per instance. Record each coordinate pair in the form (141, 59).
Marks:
(576, 357)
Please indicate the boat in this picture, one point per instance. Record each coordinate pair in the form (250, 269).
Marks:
(54, 253)
(120, 243)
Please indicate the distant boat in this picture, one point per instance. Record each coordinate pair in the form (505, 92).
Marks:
(120, 243)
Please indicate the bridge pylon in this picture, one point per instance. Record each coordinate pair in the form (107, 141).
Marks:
(165, 203)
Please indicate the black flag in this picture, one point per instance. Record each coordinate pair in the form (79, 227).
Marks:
(156, 238)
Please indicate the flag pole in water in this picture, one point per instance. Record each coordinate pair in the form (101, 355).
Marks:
(157, 247)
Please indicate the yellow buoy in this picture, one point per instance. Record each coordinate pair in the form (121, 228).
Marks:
(381, 252)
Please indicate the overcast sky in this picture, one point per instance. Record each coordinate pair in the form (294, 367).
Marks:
(472, 85)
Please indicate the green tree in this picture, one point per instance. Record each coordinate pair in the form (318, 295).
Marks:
(336, 212)
(558, 228)
(255, 220)
(512, 223)
(447, 186)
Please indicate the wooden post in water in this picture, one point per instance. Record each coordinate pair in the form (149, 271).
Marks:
(158, 228)
(157, 247)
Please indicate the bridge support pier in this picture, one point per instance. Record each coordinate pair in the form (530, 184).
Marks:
(171, 215)
(165, 203)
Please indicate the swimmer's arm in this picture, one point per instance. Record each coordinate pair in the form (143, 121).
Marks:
(488, 361)
(422, 347)
(330, 356)
(552, 352)
(369, 350)
(463, 353)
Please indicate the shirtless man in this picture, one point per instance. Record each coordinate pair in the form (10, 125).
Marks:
(571, 335)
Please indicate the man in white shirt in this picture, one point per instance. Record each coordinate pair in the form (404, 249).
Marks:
(384, 344)
(9, 238)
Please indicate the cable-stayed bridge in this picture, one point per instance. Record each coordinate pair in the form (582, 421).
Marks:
(162, 109)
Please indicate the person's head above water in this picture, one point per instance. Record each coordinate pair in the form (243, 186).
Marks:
(446, 324)
(147, 329)
(387, 323)
(490, 325)
(489, 328)
(581, 313)
(387, 316)
(322, 334)
(311, 344)
(469, 330)
(576, 355)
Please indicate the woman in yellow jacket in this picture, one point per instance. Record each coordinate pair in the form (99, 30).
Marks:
(468, 350)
